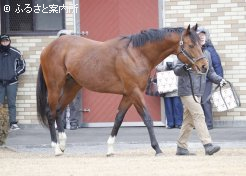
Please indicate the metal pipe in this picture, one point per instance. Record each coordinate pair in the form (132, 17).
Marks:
(74, 17)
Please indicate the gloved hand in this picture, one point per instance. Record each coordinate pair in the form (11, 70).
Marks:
(169, 65)
(186, 67)
(223, 82)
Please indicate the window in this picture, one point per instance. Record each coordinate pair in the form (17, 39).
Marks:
(32, 17)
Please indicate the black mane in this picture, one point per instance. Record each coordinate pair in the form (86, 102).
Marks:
(152, 35)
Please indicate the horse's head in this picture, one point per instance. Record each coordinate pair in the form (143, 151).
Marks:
(190, 51)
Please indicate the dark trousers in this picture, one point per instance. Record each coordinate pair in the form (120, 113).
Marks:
(10, 91)
(207, 106)
(174, 111)
(75, 113)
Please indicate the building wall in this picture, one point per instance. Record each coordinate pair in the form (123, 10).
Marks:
(226, 21)
(31, 47)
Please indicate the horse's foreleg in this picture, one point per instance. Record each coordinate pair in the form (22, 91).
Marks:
(123, 107)
(61, 133)
(149, 123)
(140, 106)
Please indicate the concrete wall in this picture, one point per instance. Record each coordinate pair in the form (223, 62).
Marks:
(226, 21)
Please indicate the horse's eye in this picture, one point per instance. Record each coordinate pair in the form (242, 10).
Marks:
(191, 46)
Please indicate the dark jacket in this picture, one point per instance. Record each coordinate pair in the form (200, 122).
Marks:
(11, 65)
(216, 62)
(199, 80)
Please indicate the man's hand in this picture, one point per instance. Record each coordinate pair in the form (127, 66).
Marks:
(186, 67)
(222, 83)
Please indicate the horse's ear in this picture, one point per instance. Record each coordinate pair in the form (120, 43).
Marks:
(143, 31)
(188, 30)
(195, 27)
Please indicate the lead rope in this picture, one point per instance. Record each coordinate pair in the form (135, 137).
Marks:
(210, 95)
(191, 86)
(237, 99)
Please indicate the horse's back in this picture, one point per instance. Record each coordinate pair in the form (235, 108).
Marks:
(63, 44)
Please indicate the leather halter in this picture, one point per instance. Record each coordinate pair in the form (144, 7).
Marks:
(192, 60)
(186, 54)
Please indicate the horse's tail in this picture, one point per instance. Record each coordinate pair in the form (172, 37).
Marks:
(41, 98)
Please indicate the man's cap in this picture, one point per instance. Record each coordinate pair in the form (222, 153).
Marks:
(64, 32)
(5, 37)
(201, 29)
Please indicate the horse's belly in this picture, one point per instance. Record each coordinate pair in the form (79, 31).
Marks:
(103, 85)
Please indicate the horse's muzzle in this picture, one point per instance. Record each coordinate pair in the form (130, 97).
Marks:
(201, 70)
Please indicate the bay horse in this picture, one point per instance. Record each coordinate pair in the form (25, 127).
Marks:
(120, 66)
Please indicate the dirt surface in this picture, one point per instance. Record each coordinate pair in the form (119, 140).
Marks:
(142, 162)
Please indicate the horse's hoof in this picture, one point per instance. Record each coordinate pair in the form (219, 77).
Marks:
(110, 154)
(62, 139)
(59, 154)
(110, 151)
(62, 150)
(58, 151)
(159, 154)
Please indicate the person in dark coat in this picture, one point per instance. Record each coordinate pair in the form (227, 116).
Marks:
(12, 65)
(216, 64)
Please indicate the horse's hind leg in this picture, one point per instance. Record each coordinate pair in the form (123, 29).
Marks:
(58, 100)
(52, 129)
(123, 107)
(61, 133)
(70, 90)
(140, 106)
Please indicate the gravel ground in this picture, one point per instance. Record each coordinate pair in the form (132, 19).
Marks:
(135, 161)
(86, 150)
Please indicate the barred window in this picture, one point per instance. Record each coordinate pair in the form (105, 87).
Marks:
(30, 17)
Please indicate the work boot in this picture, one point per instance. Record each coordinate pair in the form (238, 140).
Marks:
(73, 126)
(210, 149)
(183, 151)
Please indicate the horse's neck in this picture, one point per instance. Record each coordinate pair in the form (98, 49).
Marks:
(157, 51)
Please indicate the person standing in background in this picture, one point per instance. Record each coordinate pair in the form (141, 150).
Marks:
(72, 114)
(12, 65)
(216, 64)
(172, 102)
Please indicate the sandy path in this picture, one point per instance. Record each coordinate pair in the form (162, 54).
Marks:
(229, 162)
